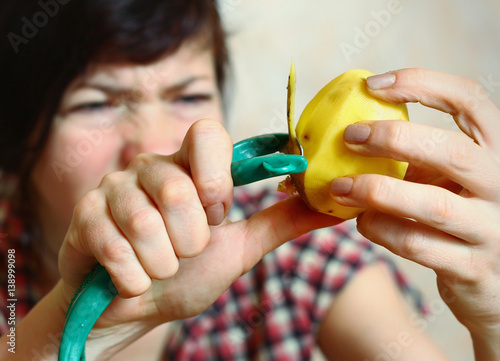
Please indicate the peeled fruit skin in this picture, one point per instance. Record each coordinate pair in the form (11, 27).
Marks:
(320, 130)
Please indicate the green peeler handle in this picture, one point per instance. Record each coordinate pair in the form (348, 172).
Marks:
(87, 305)
(254, 159)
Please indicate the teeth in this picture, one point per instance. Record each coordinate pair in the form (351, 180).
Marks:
(319, 132)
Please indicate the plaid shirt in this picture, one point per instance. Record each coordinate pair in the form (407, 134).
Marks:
(271, 313)
(13, 237)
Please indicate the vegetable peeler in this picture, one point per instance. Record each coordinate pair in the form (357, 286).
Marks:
(254, 159)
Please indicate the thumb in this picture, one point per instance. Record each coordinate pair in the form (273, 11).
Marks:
(282, 222)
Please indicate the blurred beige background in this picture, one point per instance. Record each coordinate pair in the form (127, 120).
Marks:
(326, 38)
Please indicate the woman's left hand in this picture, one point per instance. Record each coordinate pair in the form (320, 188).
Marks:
(445, 215)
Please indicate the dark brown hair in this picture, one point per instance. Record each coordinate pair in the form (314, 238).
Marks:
(46, 44)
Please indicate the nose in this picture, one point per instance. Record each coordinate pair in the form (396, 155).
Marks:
(150, 130)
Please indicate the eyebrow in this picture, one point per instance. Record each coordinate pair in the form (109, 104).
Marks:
(120, 90)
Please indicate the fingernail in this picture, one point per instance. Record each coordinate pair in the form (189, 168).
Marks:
(341, 186)
(215, 214)
(381, 81)
(357, 133)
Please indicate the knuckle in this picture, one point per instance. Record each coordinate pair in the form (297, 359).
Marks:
(112, 180)
(176, 191)
(86, 207)
(378, 189)
(116, 251)
(140, 161)
(210, 132)
(474, 266)
(475, 94)
(412, 245)
(440, 211)
(212, 184)
(207, 128)
(460, 156)
(396, 136)
(471, 84)
(144, 222)
(119, 257)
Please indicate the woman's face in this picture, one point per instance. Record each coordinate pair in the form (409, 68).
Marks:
(116, 112)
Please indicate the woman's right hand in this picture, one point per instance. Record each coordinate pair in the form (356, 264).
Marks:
(159, 229)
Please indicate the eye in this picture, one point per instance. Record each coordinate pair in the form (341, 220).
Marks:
(193, 99)
(92, 107)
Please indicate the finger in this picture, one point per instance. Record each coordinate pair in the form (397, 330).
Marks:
(175, 196)
(463, 98)
(282, 222)
(425, 175)
(141, 223)
(445, 254)
(94, 236)
(448, 152)
(430, 205)
(206, 153)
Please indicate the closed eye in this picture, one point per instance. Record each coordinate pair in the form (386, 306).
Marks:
(92, 107)
(193, 99)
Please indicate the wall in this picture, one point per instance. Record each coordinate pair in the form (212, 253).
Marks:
(326, 38)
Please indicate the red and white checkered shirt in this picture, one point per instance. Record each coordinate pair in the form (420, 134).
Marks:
(271, 313)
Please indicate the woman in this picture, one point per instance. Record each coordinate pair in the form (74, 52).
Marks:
(116, 167)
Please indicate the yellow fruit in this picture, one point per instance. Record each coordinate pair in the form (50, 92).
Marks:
(320, 130)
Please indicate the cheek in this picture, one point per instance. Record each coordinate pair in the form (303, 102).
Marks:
(73, 163)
